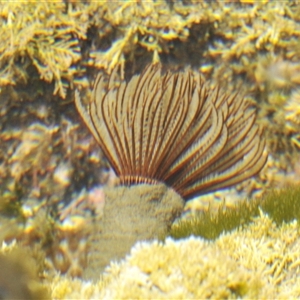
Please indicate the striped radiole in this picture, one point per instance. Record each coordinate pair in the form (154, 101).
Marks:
(171, 127)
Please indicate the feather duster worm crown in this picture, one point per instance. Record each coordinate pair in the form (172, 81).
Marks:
(172, 128)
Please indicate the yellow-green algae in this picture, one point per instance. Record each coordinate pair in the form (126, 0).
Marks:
(259, 261)
(281, 205)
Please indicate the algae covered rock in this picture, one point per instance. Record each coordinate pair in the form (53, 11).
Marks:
(130, 214)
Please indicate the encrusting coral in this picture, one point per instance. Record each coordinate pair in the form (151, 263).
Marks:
(260, 260)
(168, 128)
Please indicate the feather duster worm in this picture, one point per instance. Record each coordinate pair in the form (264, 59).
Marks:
(172, 128)
(167, 128)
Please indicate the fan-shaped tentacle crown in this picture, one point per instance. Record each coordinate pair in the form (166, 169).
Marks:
(173, 128)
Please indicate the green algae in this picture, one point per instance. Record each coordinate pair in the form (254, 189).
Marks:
(282, 206)
(210, 225)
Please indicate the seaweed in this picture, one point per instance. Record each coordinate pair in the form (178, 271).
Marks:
(282, 206)
(44, 35)
(64, 42)
(210, 225)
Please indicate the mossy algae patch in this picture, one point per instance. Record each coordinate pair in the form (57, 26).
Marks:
(210, 225)
(281, 205)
